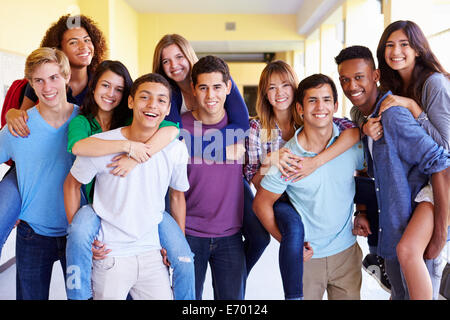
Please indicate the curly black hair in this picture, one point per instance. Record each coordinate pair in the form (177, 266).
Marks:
(54, 35)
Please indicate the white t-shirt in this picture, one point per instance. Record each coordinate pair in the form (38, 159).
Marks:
(131, 207)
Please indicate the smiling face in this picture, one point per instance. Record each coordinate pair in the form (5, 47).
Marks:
(49, 84)
(280, 93)
(175, 64)
(108, 92)
(78, 47)
(318, 106)
(399, 54)
(359, 80)
(211, 92)
(150, 104)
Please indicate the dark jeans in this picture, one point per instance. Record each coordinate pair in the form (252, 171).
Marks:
(256, 236)
(365, 194)
(291, 248)
(35, 256)
(227, 261)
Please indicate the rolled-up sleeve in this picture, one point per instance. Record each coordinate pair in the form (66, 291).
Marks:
(414, 145)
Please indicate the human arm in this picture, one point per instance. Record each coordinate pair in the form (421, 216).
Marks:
(440, 182)
(5, 145)
(17, 118)
(263, 208)
(369, 126)
(308, 251)
(434, 117)
(283, 159)
(436, 103)
(141, 152)
(392, 100)
(82, 143)
(72, 196)
(349, 137)
(178, 207)
(361, 226)
(122, 164)
(258, 162)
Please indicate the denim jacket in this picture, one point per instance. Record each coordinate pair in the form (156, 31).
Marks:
(404, 158)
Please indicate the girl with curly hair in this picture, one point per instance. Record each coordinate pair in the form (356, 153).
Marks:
(84, 45)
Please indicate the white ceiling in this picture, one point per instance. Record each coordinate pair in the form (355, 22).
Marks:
(217, 6)
(309, 13)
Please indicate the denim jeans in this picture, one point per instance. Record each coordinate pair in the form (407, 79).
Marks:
(365, 194)
(226, 258)
(291, 248)
(81, 234)
(256, 236)
(9, 206)
(35, 256)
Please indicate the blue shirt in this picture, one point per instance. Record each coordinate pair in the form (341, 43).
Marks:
(324, 199)
(403, 160)
(42, 163)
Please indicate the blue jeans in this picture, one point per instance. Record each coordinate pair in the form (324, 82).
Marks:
(291, 248)
(81, 234)
(9, 206)
(256, 236)
(226, 258)
(35, 256)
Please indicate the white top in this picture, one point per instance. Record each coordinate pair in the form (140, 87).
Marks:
(184, 108)
(131, 207)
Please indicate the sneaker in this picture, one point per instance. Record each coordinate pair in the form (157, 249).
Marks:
(374, 265)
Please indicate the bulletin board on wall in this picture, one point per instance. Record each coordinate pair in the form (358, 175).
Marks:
(12, 67)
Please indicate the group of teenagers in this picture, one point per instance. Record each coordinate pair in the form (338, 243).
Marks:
(135, 187)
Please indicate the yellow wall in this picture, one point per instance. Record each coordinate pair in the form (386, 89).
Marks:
(246, 74)
(211, 27)
(124, 36)
(24, 22)
(119, 23)
(132, 37)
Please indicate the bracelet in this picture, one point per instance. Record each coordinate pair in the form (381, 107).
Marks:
(357, 212)
(129, 151)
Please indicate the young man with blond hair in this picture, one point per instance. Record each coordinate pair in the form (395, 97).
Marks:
(42, 164)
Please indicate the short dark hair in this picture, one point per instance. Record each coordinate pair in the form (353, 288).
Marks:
(355, 52)
(150, 77)
(314, 81)
(210, 64)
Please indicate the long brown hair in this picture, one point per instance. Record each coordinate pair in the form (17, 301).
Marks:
(184, 46)
(264, 109)
(121, 113)
(425, 65)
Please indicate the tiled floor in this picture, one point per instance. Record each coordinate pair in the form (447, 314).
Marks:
(264, 282)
